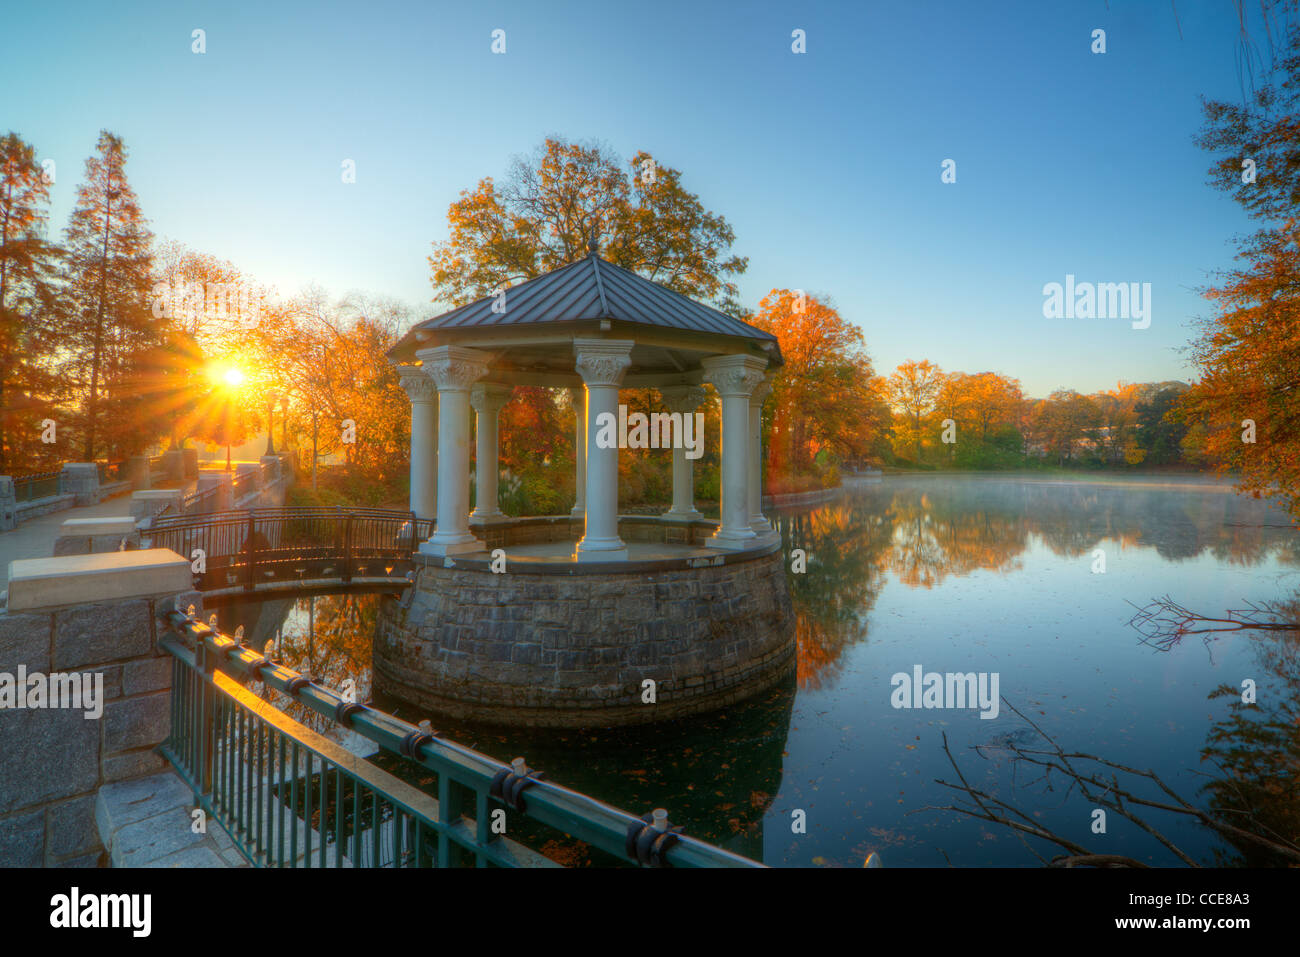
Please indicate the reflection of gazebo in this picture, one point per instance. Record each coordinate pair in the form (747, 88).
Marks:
(589, 326)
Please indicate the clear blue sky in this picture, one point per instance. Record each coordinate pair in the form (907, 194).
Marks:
(827, 164)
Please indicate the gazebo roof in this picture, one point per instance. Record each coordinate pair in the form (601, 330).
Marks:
(588, 291)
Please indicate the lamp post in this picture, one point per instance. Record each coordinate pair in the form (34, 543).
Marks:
(271, 398)
(284, 422)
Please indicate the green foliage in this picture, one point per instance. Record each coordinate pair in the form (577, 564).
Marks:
(534, 491)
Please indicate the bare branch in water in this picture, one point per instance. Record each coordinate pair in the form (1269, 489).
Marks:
(1163, 622)
(1099, 780)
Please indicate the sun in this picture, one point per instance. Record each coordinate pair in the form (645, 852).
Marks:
(232, 377)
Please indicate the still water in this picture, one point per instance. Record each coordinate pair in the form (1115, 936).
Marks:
(993, 575)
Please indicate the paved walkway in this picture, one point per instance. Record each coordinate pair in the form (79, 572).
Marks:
(149, 822)
(35, 537)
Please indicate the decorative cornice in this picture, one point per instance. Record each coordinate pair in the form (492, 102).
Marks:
(453, 368)
(418, 386)
(602, 361)
(734, 375)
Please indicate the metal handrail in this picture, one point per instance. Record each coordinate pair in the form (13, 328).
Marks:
(25, 486)
(570, 812)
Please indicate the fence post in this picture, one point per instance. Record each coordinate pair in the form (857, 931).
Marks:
(414, 532)
(206, 703)
(250, 555)
(347, 549)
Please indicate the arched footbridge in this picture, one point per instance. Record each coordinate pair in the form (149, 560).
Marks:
(295, 549)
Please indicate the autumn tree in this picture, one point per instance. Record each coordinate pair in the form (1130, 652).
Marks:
(912, 390)
(1247, 402)
(329, 357)
(567, 195)
(26, 263)
(824, 397)
(952, 404)
(107, 318)
(992, 400)
(1062, 421)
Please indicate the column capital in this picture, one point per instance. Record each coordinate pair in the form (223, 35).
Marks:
(488, 397)
(453, 368)
(418, 386)
(762, 390)
(734, 375)
(602, 361)
(682, 398)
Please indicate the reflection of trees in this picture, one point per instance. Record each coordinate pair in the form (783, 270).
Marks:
(937, 537)
(925, 530)
(831, 600)
(328, 637)
(1257, 750)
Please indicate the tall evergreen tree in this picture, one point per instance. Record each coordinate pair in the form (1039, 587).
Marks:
(109, 322)
(25, 291)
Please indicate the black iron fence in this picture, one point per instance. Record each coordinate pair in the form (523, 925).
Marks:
(253, 546)
(29, 488)
(291, 798)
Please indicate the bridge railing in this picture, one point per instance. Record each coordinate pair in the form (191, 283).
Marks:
(29, 488)
(252, 546)
(291, 798)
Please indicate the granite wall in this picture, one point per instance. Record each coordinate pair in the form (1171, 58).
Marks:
(53, 761)
(572, 650)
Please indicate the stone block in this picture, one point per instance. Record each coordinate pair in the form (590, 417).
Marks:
(132, 764)
(151, 674)
(153, 838)
(91, 634)
(47, 754)
(139, 722)
(72, 828)
(120, 525)
(190, 857)
(80, 479)
(22, 840)
(117, 805)
(24, 640)
(46, 583)
(149, 503)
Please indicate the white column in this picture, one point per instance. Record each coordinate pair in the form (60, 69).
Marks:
(685, 400)
(579, 397)
(424, 440)
(757, 520)
(601, 363)
(735, 377)
(487, 401)
(454, 370)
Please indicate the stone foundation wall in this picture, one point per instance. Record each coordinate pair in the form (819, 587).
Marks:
(53, 761)
(573, 650)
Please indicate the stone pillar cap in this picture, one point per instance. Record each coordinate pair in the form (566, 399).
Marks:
(42, 584)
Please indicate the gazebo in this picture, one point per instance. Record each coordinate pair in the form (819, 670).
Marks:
(594, 619)
(591, 327)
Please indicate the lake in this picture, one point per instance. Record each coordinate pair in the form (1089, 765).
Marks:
(1033, 580)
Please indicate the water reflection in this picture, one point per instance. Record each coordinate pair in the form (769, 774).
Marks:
(1255, 750)
(326, 636)
(924, 530)
(959, 574)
